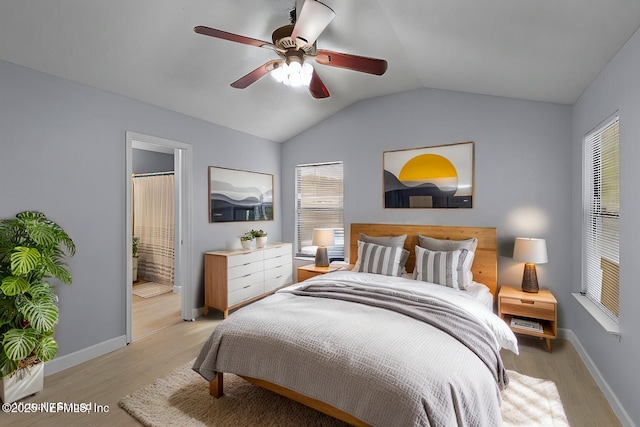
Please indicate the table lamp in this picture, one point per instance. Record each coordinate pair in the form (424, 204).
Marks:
(531, 252)
(322, 237)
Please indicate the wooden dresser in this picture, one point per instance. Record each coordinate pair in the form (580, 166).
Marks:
(235, 278)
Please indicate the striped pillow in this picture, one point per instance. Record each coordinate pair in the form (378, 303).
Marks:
(440, 267)
(465, 276)
(378, 259)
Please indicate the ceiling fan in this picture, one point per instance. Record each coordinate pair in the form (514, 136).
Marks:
(295, 43)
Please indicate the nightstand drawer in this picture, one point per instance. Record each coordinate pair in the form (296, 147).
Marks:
(528, 308)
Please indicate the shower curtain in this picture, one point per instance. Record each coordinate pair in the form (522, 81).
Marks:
(153, 204)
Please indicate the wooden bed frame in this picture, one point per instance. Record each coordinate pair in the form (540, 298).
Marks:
(484, 271)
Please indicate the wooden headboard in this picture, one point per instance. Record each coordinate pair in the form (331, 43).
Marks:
(485, 263)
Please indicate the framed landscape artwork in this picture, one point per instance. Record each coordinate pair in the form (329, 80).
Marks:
(429, 177)
(237, 195)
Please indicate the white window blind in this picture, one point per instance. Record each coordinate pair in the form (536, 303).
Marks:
(601, 255)
(319, 196)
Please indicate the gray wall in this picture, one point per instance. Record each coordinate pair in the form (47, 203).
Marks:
(63, 153)
(521, 172)
(617, 88)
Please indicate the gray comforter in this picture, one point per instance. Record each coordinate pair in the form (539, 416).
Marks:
(388, 356)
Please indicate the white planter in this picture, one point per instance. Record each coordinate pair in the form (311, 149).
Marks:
(135, 269)
(261, 242)
(248, 244)
(23, 383)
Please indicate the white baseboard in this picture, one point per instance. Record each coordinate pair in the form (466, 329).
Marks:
(617, 407)
(69, 360)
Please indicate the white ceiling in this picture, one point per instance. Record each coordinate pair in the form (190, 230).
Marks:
(546, 50)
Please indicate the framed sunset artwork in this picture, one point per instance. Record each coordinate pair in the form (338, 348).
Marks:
(429, 177)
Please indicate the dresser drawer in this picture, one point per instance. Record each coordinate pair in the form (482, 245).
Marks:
(244, 258)
(245, 293)
(278, 281)
(528, 308)
(244, 269)
(277, 261)
(276, 271)
(284, 250)
(244, 281)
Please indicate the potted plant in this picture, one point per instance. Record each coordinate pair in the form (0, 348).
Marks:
(32, 250)
(134, 249)
(248, 240)
(261, 238)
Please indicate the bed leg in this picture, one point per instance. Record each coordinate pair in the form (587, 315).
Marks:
(216, 386)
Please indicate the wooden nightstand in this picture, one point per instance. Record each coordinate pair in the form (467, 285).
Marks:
(541, 307)
(310, 270)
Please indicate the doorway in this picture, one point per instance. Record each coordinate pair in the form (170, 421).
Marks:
(146, 316)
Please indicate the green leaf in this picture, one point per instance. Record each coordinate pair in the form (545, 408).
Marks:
(12, 285)
(57, 270)
(19, 343)
(47, 349)
(8, 311)
(24, 260)
(42, 234)
(7, 366)
(41, 313)
(43, 290)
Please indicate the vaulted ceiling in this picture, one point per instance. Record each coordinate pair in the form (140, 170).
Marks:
(545, 50)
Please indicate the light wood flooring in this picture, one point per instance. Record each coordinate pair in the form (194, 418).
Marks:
(152, 314)
(106, 379)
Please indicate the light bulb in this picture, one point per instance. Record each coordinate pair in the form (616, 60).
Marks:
(307, 73)
(278, 74)
(306, 79)
(296, 79)
(307, 68)
(295, 67)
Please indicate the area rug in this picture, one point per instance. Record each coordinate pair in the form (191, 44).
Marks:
(182, 398)
(151, 289)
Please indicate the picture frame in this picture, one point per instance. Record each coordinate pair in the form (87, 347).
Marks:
(238, 195)
(429, 177)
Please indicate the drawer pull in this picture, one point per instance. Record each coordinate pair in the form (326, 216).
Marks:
(526, 301)
(247, 275)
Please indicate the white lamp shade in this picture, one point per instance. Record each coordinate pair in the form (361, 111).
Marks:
(323, 237)
(312, 20)
(529, 250)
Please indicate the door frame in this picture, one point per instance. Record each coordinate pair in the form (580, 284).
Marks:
(182, 159)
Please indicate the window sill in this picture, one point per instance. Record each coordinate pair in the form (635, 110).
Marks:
(605, 321)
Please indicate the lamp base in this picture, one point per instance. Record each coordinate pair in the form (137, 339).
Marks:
(530, 279)
(322, 257)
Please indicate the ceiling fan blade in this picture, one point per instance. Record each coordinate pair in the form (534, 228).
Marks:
(317, 88)
(255, 75)
(232, 37)
(313, 19)
(352, 62)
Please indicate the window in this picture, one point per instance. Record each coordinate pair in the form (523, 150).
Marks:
(319, 204)
(601, 219)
